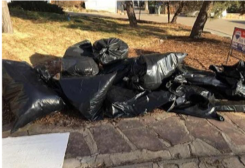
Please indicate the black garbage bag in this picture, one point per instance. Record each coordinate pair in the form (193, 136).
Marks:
(135, 77)
(230, 106)
(83, 48)
(234, 77)
(43, 73)
(195, 101)
(151, 70)
(79, 66)
(205, 79)
(27, 94)
(107, 51)
(194, 76)
(121, 67)
(121, 102)
(87, 94)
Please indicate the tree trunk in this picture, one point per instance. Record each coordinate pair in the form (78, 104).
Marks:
(6, 22)
(168, 12)
(179, 10)
(201, 19)
(146, 6)
(131, 14)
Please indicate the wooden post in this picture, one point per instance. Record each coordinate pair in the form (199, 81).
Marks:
(168, 13)
(146, 6)
(6, 22)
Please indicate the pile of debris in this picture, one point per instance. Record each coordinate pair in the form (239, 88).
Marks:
(101, 81)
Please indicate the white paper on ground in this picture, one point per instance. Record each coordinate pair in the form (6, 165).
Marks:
(37, 151)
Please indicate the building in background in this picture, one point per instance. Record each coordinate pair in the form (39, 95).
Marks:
(100, 5)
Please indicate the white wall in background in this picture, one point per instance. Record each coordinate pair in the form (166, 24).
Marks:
(108, 5)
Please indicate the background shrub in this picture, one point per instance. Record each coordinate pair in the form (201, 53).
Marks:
(40, 6)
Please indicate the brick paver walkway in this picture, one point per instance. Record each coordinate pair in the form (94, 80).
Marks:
(155, 140)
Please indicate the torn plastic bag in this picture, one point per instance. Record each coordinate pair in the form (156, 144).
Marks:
(205, 79)
(87, 93)
(83, 48)
(236, 71)
(121, 102)
(150, 70)
(27, 94)
(107, 51)
(234, 76)
(230, 106)
(195, 101)
(79, 66)
(198, 77)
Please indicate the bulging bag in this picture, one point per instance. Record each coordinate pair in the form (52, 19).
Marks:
(107, 51)
(87, 94)
(28, 95)
(79, 66)
(83, 48)
(121, 102)
(149, 71)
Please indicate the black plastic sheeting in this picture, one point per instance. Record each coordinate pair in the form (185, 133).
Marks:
(122, 67)
(87, 94)
(100, 81)
(78, 60)
(28, 95)
(160, 67)
(205, 79)
(83, 48)
(234, 77)
(150, 71)
(107, 51)
(79, 66)
(195, 101)
(121, 102)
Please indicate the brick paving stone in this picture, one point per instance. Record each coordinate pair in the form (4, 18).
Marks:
(169, 165)
(211, 162)
(236, 136)
(154, 117)
(77, 146)
(121, 158)
(128, 124)
(71, 163)
(180, 151)
(189, 165)
(238, 119)
(199, 128)
(140, 136)
(200, 148)
(108, 140)
(171, 130)
(149, 119)
(242, 158)
(143, 165)
(232, 162)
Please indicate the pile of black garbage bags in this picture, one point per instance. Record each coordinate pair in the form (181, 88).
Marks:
(100, 81)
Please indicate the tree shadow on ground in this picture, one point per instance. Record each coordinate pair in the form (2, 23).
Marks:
(238, 21)
(191, 40)
(106, 25)
(37, 17)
